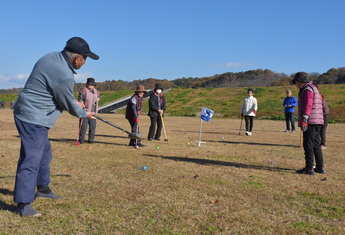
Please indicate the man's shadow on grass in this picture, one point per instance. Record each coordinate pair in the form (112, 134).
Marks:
(221, 163)
(4, 206)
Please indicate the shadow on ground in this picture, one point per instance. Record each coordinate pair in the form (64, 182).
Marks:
(253, 143)
(86, 143)
(4, 206)
(221, 163)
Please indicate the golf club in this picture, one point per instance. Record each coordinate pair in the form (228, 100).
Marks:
(80, 124)
(300, 139)
(130, 135)
(165, 133)
(241, 125)
(136, 140)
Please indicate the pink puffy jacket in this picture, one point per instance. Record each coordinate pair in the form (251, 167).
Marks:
(310, 103)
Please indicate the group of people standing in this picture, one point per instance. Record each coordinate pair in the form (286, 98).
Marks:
(89, 97)
(157, 107)
(49, 90)
(313, 117)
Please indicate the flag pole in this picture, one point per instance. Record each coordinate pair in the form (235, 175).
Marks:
(199, 142)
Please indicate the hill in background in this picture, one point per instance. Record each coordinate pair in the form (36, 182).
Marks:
(251, 78)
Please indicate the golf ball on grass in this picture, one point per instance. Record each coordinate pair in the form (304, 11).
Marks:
(144, 168)
(157, 147)
(89, 148)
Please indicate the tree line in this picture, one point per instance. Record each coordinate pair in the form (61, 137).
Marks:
(251, 78)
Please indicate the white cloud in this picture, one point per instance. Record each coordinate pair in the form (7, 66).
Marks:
(234, 65)
(14, 81)
(82, 77)
(18, 80)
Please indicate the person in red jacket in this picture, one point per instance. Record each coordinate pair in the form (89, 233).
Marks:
(310, 119)
(133, 111)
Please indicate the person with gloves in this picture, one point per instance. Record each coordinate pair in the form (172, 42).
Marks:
(310, 119)
(157, 106)
(248, 110)
(133, 111)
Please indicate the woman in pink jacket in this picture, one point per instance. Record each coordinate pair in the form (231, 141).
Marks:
(310, 119)
(88, 97)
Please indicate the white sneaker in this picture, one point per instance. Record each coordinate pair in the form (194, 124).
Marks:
(249, 133)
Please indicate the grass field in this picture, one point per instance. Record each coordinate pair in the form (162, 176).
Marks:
(233, 185)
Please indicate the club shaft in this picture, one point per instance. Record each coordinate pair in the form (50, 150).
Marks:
(111, 124)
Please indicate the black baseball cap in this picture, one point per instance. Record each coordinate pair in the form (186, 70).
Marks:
(80, 46)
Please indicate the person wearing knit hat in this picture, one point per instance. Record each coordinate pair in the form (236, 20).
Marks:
(310, 120)
(157, 106)
(133, 112)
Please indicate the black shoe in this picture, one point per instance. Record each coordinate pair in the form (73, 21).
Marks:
(157, 139)
(141, 145)
(306, 171)
(50, 195)
(320, 170)
(91, 141)
(81, 141)
(28, 211)
(150, 139)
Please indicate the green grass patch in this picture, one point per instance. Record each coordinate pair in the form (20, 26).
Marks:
(226, 102)
(255, 184)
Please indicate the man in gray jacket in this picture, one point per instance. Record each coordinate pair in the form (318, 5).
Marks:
(47, 92)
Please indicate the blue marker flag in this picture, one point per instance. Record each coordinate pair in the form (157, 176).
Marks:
(206, 114)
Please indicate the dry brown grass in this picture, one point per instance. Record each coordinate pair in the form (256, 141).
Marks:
(226, 186)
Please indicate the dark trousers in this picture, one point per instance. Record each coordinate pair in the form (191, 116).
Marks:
(249, 123)
(323, 130)
(92, 129)
(34, 162)
(289, 118)
(135, 129)
(311, 145)
(155, 120)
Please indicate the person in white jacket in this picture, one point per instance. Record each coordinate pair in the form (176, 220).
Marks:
(248, 110)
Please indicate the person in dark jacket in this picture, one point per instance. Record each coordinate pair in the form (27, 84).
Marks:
(289, 109)
(88, 97)
(133, 111)
(326, 112)
(310, 119)
(157, 106)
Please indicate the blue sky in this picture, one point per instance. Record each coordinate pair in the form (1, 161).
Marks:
(163, 39)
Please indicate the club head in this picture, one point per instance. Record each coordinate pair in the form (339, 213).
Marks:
(134, 135)
(77, 143)
(166, 140)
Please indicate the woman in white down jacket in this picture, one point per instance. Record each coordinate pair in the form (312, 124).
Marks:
(248, 110)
